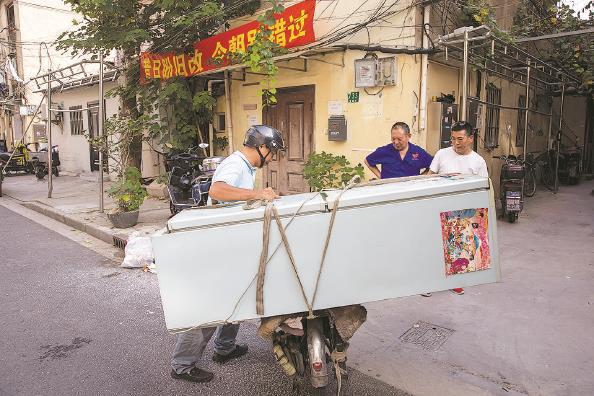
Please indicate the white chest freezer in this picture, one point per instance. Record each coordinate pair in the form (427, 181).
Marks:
(392, 240)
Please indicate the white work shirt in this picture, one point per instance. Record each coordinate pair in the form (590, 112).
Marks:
(236, 171)
(447, 160)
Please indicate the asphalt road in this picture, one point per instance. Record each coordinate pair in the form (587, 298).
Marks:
(74, 323)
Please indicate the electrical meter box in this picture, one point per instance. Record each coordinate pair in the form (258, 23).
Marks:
(375, 72)
(440, 117)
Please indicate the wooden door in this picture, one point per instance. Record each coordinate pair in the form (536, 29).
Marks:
(293, 116)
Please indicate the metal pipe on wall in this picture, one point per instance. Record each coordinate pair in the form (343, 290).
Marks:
(210, 126)
(50, 175)
(526, 113)
(549, 145)
(424, 71)
(100, 130)
(556, 185)
(464, 78)
(228, 120)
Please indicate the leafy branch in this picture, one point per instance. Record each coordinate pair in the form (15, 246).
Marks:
(324, 170)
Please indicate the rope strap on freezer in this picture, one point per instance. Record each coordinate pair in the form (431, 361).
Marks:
(337, 358)
(269, 212)
(272, 211)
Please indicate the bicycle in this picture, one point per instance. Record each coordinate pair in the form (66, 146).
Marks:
(538, 168)
(544, 163)
(530, 165)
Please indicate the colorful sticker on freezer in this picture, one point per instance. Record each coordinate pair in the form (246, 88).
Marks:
(465, 240)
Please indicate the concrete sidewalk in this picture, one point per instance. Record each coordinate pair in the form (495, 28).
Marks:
(75, 202)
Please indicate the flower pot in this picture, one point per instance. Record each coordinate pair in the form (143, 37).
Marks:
(123, 219)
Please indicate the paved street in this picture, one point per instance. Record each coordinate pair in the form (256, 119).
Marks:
(74, 323)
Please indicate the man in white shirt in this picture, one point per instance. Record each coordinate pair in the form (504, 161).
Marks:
(233, 181)
(459, 158)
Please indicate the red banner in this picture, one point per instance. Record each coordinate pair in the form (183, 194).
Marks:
(293, 28)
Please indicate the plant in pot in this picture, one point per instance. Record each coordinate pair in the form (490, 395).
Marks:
(128, 194)
(119, 135)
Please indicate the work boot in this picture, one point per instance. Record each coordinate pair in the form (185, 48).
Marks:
(194, 375)
(239, 350)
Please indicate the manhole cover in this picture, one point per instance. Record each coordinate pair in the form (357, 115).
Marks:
(427, 335)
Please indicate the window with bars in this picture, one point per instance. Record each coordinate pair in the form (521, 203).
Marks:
(76, 120)
(492, 121)
(521, 118)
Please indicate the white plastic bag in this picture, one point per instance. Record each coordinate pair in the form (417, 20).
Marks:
(139, 252)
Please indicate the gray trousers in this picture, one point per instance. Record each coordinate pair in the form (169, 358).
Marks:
(190, 345)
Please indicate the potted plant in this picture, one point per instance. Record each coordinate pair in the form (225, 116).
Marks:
(128, 194)
(325, 170)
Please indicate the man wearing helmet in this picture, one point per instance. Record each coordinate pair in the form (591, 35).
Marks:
(233, 180)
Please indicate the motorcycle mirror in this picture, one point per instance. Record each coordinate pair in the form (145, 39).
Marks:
(203, 145)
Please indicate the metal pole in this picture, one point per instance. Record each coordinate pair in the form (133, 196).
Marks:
(556, 187)
(49, 136)
(549, 145)
(100, 130)
(228, 119)
(424, 71)
(527, 105)
(464, 78)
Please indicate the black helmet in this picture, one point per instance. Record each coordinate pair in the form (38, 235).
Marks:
(258, 135)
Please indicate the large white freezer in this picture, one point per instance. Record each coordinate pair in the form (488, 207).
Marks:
(391, 240)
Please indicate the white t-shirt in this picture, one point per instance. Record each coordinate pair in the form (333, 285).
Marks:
(447, 160)
(236, 171)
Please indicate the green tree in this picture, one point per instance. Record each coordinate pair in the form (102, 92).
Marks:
(176, 110)
(574, 54)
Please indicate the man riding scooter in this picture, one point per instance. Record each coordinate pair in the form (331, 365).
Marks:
(233, 181)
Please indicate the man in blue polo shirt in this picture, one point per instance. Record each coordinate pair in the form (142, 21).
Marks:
(399, 158)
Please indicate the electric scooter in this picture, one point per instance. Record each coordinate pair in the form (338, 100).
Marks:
(511, 180)
(40, 163)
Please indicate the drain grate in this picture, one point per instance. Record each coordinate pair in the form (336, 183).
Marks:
(427, 335)
(120, 241)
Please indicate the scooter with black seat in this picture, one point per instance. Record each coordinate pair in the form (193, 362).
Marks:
(511, 182)
(40, 163)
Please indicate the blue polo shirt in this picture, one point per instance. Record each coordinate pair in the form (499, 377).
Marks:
(393, 166)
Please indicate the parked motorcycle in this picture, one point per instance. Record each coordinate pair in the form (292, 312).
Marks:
(40, 163)
(19, 162)
(308, 347)
(511, 179)
(190, 177)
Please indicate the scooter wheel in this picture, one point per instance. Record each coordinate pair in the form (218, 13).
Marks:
(512, 217)
(40, 173)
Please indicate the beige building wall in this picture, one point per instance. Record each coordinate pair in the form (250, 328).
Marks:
(368, 121)
(447, 79)
(574, 119)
